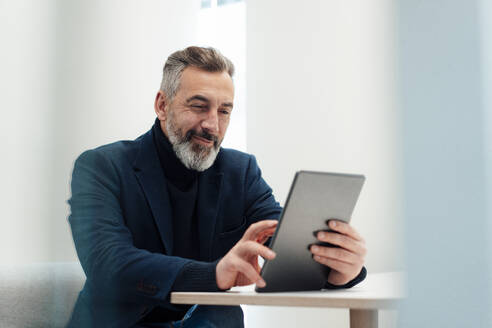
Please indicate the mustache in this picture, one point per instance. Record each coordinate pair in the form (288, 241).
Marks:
(203, 134)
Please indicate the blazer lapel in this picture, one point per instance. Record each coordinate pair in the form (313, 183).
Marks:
(149, 173)
(209, 186)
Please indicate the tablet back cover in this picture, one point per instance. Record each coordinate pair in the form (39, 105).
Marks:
(314, 197)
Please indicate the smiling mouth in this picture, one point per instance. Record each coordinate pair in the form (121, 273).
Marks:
(203, 141)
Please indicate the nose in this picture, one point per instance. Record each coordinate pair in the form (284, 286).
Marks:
(211, 122)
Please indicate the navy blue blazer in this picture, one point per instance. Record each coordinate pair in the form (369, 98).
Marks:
(122, 226)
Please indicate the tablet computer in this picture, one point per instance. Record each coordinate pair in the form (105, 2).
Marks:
(314, 198)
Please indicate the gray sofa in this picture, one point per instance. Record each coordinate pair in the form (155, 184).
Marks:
(38, 294)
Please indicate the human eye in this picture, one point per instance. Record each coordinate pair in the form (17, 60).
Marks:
(225, 110)
(199, 107)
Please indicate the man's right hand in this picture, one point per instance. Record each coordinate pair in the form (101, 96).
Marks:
(239, 267)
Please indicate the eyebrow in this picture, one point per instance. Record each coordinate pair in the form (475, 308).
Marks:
(204, 99)
(197, 97)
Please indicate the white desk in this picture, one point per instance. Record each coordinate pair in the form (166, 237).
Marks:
(377, 291)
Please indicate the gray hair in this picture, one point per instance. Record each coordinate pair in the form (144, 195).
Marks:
(207, 59)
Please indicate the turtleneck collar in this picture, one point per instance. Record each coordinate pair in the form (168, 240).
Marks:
(174, 170)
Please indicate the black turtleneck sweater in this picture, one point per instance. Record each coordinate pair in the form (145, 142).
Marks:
(182, 185)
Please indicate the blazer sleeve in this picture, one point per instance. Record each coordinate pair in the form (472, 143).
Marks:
(360, 277)
(114, 267)
(260, 202)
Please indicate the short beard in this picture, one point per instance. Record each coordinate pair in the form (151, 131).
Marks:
(194, 156)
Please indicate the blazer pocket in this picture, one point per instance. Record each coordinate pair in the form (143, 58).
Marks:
(234, 231)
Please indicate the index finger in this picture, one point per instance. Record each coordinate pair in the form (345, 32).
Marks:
(265, 234)
(249, 248)
(256, 228)
(344, 228)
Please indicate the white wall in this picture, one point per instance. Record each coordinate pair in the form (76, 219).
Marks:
(27, 82)
(321, 96)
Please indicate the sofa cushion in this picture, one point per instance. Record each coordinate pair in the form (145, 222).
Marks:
(39, 294)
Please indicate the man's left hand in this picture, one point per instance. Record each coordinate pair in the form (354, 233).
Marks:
(345, 261)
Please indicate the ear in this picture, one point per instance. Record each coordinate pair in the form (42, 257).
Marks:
(161, 105)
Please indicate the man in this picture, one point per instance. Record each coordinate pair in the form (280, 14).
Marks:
(172, 211)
